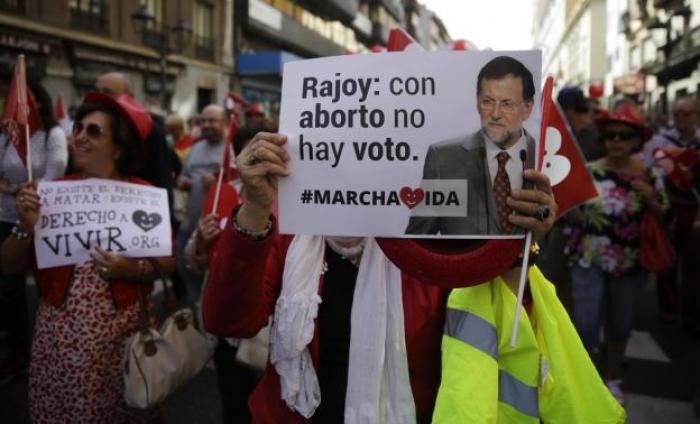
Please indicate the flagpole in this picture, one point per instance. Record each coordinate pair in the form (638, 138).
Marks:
(219, 181)
(521, 288)
(29, 152)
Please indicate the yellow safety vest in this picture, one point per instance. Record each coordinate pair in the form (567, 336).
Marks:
(547, 377)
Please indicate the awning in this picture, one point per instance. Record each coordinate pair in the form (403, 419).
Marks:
(263, 63)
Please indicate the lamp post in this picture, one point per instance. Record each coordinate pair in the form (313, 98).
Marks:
(159, 36)
(667, 48)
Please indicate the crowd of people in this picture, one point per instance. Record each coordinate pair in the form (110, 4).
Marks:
(595, 252)
(240, 272)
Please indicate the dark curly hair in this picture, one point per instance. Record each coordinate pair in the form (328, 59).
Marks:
(124, 136)
(247, 132)
(44, 106)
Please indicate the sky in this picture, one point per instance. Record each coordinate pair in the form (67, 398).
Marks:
(498, 24)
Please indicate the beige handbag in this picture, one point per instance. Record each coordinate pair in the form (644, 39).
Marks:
(253, 352)
(157, 362)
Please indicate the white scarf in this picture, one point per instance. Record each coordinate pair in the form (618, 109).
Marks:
(379, 389)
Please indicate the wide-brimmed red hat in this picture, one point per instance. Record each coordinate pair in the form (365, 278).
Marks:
(255, 109)
(628, 114)
(452, 262)
(129, 108)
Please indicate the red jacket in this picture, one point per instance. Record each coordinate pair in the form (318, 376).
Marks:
(245, 280)
(53, 283)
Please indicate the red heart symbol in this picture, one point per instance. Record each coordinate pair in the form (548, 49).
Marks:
(411, 197)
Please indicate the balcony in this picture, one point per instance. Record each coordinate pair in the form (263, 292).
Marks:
(678, 59)
(342, 10)
(394, 7)
(12, 6)
(268, 22)
(93, 22)
(380, 33)
(204, 48)
(667, 4)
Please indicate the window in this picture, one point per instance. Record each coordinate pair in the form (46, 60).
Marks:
(16, 6)
(90, 15)
(203, 31)
(155, 9)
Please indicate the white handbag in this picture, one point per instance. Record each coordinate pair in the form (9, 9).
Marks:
(157, 362)
(253, 352)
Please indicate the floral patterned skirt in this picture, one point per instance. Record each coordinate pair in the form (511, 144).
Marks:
(76, 365)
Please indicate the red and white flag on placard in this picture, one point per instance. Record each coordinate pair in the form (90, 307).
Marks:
(560, 157)
(19, 111)
(400, 40)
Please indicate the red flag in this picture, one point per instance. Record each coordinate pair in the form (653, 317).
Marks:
(226, 199)
(560, 158)
(228, 164)
(19, 111)
(677, 163)
(399, 39)
(460, 45)
(59, 111)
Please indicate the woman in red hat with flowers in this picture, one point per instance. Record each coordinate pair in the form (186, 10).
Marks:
(87, 311)
(604, 245)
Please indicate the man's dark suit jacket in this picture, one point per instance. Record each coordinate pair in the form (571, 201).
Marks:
(465, 158)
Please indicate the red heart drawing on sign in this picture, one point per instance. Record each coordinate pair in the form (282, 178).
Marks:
(411, 197)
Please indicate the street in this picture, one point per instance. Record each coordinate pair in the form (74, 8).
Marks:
(661, 374)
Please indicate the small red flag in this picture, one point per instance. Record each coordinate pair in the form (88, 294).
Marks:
(228, 163)
(560, 158)
(59, 110)
(19, 111)
(677, 163)
(399, 40)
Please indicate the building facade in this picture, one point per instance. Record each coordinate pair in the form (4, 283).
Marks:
(571, 35)
(269, 33)
(68, 44)
(651, 47)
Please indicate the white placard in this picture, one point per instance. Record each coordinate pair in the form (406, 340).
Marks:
(359, 128)
(75, 216)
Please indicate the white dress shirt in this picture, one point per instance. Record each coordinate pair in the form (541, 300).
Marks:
(514, 166)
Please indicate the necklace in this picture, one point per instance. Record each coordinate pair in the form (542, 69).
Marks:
(350, 249)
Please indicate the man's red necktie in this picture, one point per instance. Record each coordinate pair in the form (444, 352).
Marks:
(501, 191)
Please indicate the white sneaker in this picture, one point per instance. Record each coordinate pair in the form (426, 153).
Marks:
(616, 390)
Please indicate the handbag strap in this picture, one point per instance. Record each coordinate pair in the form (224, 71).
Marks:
(169, 299)
(144, 324)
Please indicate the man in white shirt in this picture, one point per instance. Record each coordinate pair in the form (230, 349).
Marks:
(685, 203)
(491, 160)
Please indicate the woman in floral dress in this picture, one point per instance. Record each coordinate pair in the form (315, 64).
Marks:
(605, 240)
(87, 311)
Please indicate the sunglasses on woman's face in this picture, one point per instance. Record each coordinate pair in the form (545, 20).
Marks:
(619, 135)
(92, 130)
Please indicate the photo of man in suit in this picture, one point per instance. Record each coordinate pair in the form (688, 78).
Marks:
(490, 160)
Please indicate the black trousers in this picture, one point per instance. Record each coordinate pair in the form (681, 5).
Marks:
(13, 308)
(236, 383)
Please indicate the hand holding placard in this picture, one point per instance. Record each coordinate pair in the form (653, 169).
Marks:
(28, 207)
(260, 163)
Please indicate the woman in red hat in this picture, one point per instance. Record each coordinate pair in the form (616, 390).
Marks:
(370, 351)
(87, 311)
(604, 241)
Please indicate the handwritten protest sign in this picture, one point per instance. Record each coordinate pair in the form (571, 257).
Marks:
(75, 216)
(404, 145)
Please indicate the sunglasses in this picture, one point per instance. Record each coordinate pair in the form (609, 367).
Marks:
(620, 135)
(92, 130)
